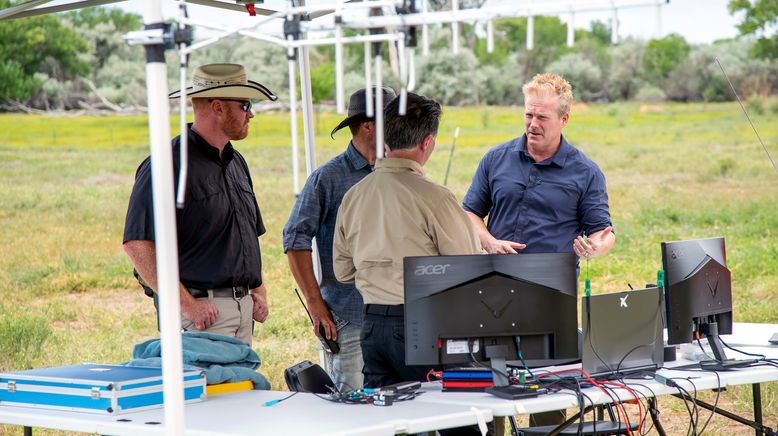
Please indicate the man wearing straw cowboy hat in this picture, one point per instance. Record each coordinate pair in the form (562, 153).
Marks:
(220, 267)
(335, 306)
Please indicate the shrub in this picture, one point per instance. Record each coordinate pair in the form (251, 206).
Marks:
(755, 104)
(21, 339)
(650, 93)
(583, 74)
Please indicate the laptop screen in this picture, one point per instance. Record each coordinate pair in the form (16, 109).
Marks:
(622, 331)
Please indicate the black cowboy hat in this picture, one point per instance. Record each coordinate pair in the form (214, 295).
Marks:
(357, 107)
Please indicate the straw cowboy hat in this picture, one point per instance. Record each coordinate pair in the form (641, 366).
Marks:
(224, 81)
(357, 107)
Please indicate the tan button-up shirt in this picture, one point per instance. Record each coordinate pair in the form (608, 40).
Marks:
(393, 213)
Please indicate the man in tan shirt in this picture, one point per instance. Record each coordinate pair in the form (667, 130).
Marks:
(393, 213)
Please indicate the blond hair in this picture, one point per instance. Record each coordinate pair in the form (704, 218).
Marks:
(551, 84)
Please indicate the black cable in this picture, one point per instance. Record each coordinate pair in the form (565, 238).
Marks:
(653, 394)
(761, 356)
(715, 403)
(696, 407)
(618, 412)
(692, 429)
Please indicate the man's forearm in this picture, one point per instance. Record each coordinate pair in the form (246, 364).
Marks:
(143, 256)
(480, 228)
(301, 264)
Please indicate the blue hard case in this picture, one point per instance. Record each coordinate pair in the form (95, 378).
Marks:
(93, 388)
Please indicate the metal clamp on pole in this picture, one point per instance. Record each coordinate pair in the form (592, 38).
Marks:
(165, 35)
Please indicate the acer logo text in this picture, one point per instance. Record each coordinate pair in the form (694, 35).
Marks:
(431, 270)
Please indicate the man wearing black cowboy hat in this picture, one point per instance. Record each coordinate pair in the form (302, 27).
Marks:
(220, 267)
(335, 306)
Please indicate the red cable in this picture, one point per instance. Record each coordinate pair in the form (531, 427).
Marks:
(640, 406)
(595, 384)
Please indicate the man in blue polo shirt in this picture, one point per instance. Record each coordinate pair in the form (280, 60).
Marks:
(334, 305)
(540, 193)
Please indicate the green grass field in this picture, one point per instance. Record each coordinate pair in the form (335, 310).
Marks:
(66, 289)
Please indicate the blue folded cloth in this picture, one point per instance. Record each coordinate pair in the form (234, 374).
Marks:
(224, 358)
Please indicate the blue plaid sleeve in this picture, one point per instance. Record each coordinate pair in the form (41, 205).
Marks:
(305, 218)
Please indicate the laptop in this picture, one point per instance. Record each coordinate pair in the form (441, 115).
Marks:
(622, 332)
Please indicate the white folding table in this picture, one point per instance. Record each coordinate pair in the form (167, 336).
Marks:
(243, 413)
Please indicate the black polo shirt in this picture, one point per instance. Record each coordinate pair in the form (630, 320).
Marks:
(219, 224)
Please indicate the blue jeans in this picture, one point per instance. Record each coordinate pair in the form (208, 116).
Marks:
(345, 368)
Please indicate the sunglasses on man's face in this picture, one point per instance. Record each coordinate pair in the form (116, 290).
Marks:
(245, 104)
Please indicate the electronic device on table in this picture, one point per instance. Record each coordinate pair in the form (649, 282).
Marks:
(698, 295)
(622, 332)
(491, 308)
(467, 379)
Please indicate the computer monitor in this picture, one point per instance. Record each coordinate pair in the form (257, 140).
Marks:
(698, 292)
(480, 307)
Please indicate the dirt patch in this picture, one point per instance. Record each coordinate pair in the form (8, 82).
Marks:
(650, 108)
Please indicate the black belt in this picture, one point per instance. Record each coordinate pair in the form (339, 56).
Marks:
(236, 292)
(385, 310)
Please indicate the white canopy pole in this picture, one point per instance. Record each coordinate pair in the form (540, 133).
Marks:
(615, 26)
(571, 29)
(425, 39)
(530, 32)
(379, 107)
(455, 28)
(339, 97)
(183, 164)
(307, 108)
(368, 87)
(164, 226)
(490, 36)
(293, 119)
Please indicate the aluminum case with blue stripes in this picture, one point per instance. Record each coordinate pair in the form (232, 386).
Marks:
(93, 388)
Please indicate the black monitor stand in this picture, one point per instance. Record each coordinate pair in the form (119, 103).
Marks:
(497, 355)
(711, 331)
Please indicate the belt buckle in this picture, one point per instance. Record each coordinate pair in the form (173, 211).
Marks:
(235, 290)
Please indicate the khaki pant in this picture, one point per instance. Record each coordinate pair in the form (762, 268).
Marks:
(235, 317)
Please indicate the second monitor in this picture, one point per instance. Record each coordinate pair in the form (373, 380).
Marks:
(464, 308)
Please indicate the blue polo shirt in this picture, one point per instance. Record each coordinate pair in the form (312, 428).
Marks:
(313, 215)
(545, 205)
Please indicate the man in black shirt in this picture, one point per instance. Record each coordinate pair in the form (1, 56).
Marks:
(220, 267)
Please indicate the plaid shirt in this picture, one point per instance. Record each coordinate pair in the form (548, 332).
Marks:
(313, 215)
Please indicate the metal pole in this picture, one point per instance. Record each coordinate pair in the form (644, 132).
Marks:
(182, 104)
(571, 30)
(425, 39)
(530, 32)
(307, 108)
(403, 62)
(615, 27)
(293, 120)
(339, 97)
(658, 20)
(490, 36)
(165, 226)
(368, 79)
(455, 29)
(379, 107)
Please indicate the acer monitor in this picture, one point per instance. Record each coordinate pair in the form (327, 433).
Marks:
(460, 309)
(698, 292)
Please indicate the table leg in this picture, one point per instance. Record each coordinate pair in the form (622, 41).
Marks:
(757, 391)
(499, 425)
(654, 412)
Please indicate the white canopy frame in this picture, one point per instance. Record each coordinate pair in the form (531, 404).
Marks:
(297, 45)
